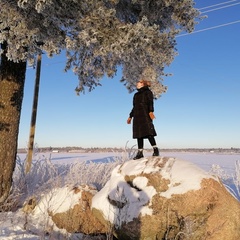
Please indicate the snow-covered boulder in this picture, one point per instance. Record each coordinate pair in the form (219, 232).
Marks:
(68, 208)
(166, 198)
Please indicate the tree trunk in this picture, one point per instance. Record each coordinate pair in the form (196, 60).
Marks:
(12, 78)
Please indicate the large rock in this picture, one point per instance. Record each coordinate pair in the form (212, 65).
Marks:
(167, 198)
(70, 209)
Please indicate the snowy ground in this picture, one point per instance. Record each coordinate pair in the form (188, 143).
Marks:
(58, 169)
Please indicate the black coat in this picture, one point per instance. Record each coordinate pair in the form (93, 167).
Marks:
(142, 105)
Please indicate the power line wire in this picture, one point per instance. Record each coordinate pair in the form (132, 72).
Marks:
(210, 28)
(216, 4)
(217, 26)
(215, 9)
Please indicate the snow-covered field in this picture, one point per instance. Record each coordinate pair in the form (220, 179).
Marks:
(53, 170)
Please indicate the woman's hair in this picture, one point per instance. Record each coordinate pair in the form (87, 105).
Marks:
(145, 82)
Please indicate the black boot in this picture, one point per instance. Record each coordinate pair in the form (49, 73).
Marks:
(139, 155)
(155, 151)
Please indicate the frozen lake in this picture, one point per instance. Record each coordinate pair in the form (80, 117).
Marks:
(203, 160)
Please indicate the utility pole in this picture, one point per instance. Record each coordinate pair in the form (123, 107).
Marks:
(34, 114)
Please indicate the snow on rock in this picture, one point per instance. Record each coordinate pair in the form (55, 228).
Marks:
(155, 196)
(116, 196)
(58, 200)
(69, 209)
(182, 177)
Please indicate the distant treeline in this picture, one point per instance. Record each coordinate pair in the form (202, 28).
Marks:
(115, 149)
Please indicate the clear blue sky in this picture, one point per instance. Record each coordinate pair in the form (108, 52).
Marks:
(200, 109)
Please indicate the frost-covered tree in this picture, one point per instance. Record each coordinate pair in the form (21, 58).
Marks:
(98, 35)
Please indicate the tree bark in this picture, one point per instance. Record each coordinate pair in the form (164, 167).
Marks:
(12, 78)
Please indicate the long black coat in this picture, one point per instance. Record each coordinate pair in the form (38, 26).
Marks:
(142, 105)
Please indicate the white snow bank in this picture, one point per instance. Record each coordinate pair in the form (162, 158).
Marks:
(12, 227)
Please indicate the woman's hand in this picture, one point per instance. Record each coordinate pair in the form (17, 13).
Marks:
(129, 120)
(151, 115)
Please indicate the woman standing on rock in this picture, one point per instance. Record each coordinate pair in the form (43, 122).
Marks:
(142, 114)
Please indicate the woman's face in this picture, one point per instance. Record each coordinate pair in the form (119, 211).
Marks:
(139, 84)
